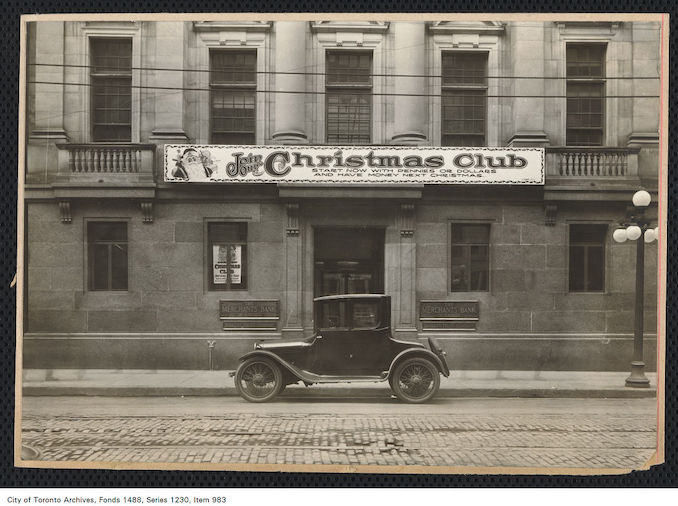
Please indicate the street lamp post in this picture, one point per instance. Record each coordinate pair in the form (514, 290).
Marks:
(639, 230)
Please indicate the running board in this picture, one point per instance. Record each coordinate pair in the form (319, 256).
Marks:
(309, 377)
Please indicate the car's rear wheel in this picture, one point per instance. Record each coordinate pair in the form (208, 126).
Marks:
(258, 379)
(415, 380)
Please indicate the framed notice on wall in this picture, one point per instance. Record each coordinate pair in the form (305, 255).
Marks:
(227, 262)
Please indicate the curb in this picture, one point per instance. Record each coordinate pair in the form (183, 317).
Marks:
(330, 392)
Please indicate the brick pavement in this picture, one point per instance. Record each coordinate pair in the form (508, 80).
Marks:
(540, 440)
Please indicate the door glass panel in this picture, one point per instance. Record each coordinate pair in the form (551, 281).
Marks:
(333, 283)
(348, 260)
(359, 283)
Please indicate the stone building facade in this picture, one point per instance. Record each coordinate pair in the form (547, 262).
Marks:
(119, 262)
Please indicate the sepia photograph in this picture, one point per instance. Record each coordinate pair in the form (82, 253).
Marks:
(324, 243)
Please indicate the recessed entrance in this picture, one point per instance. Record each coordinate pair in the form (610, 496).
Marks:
(348, 260)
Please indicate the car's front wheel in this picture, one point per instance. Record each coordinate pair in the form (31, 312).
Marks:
(415, 380)
(258, 379)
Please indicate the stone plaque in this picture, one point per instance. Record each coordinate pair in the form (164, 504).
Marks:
(249, 314)
(449, 315)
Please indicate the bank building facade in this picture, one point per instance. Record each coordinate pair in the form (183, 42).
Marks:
(141, 253)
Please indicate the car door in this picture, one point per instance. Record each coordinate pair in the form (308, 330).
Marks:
(368, 344)
(351, 338)
(329, 352)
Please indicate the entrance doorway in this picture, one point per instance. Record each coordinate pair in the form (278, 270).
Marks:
(348, 260)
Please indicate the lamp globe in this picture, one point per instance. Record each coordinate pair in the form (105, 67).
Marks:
(619, 235)
(649, 235)
(633, 232)
(641, 198)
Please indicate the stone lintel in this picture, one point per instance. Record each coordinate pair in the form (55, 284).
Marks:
(220, 26)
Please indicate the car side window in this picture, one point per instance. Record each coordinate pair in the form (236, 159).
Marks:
(333, 315)
(365, 315)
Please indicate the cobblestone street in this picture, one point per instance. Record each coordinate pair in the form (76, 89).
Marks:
(489, 432)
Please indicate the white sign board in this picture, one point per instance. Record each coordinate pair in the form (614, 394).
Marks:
(220, 253)
(358, 165)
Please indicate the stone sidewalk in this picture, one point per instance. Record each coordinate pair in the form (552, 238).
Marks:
(215, 383)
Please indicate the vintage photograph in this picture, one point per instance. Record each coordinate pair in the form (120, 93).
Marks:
(324, 243)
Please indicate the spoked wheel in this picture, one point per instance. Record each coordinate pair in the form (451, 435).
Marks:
(415, 380)
(258, 380)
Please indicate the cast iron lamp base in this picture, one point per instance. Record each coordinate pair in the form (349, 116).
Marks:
(637, 378)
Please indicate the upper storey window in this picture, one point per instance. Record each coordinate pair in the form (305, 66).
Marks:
(233, 89)
(585, 94)
(464, 98)
(349, 97)
(111, 80)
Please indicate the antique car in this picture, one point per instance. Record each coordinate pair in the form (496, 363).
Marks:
(352, 342)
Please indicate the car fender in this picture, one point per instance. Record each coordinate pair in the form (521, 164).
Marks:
(295, 371)
(418, 352)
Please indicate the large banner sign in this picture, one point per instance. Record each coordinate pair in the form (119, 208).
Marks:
(353, 165)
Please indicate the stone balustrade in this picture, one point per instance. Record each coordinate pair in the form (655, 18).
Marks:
(592, 162)
(106, 159)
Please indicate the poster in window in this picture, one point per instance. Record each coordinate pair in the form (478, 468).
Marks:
(236, 264)
(220, 254)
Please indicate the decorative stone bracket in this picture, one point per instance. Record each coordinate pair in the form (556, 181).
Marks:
(65, 211)
(292, 219)
(406, 220)
(147, 210)
(550, 212)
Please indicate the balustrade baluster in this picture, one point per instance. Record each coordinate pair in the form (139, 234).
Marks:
(614, 167)
(604, 164)
(568, 164)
